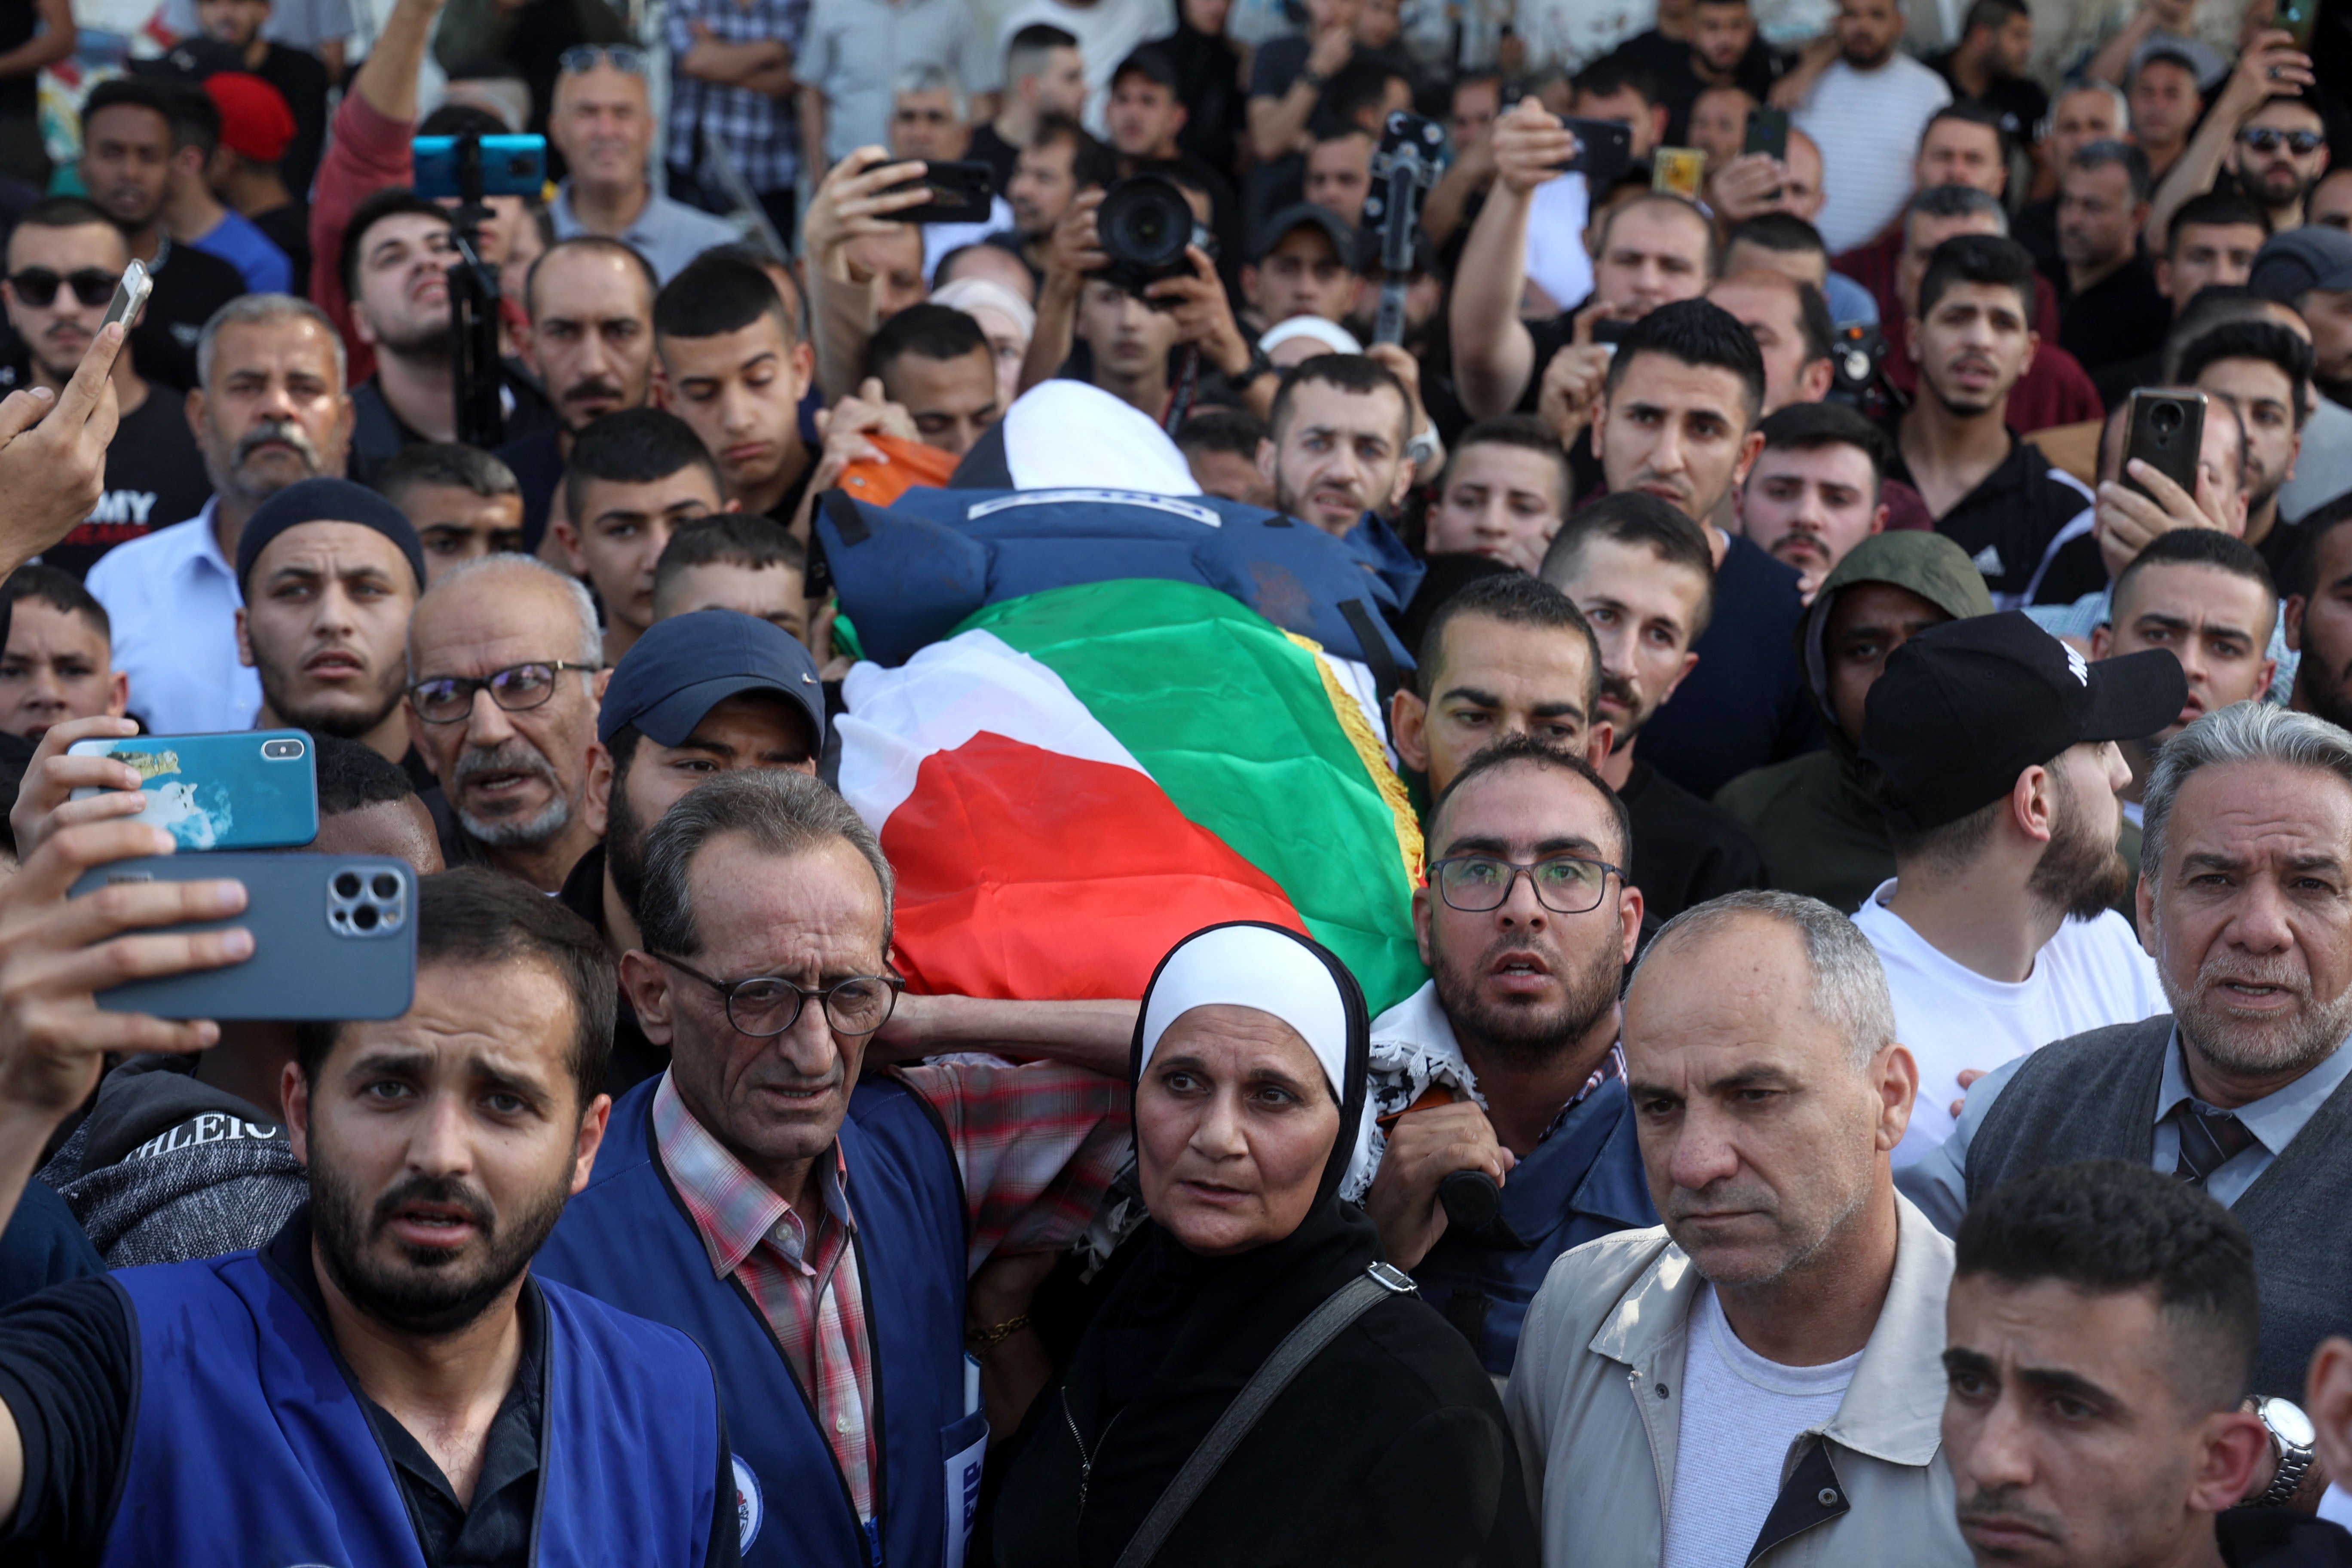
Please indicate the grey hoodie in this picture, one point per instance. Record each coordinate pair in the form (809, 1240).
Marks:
(166, 1169)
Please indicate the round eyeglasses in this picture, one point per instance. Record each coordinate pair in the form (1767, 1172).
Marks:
(1564, 884)
(446, 699)
(766, 1006)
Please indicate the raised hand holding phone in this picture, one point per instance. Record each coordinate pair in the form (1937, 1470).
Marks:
(53, 453)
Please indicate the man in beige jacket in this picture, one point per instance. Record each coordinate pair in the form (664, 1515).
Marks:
(1758, 1381)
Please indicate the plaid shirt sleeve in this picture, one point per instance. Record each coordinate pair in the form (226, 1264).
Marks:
(1037, 1144)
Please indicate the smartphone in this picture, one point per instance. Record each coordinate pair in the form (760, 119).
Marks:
(2300, 18)
(334, 937)
(1677, 171)
(2167, 430)
(1604, 148)
(511, 166)
(252, 789)
(961, 193)
(1768, 131)
(130, 294)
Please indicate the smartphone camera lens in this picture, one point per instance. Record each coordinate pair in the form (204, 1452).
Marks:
(2165, 419)
(387, 885)
(347, 885)
(364, 917)
(281, 750)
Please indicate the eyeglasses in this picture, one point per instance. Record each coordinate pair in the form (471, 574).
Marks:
(446, 699)
(38, 286)
(2266, 139)
(581, 58)
(1565, 884)
(764, 1006)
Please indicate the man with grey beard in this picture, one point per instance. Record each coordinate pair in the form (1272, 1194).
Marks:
(505, 671)
(1504, 1070)
(271, 411)
(2245, 902)
(1757, 1381)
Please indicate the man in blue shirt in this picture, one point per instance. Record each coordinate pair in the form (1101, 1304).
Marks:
(194, 216)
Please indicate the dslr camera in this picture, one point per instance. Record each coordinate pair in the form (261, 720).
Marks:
(1144, 224)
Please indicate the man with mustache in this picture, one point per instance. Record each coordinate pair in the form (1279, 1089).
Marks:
(61, 249)
(1996, 496)
(1505, 1063)
(2208, 600)
(2240, 1088)
(1814, 491)
(2101, 1322)
(635, 478)
(505, 669)
(384, 1379)
(271, 412)
(1992, 748)
(591, 302)
(1756, 1382)
(1336, 453)
(330, 571)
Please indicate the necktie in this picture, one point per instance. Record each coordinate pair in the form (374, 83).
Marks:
(2208, 1137)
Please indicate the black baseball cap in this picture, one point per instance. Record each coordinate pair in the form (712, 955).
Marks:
(1303, 215)
(1963, 708)
(686, 666)
(2293, 264)
(1153, 65)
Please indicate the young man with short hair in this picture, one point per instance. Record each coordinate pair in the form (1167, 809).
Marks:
(935, 362)
(2212, 242)
(465, 503)
(737, 370)
(1504, 493)
(1045, 76)
(1815, 489)
(2262, 370)
(1335, 451)
(2111, 309)
(194, 216)
(1995, 495)
(1988, 65)
(1305, 266)
(1790, 323)
(56, 666)
(635, 478)
(1219, 446)
(728, 560)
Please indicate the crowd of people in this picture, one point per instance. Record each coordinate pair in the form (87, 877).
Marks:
(1845, 538)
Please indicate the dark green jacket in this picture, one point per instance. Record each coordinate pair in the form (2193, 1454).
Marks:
(1817, 823)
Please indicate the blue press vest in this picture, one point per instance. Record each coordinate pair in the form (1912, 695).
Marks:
(629, 1241)
(1583, 1182)
(249, 1450)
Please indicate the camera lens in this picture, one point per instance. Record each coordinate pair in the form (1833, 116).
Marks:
(387, 885)
(2165, 419)
(347, 885)
(364, 917)
(1145, 222)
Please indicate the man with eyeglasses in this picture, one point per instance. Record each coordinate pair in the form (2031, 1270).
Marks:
(1996, 746)
(505, 666)
(1504, 1070)
(603, 123)
(64, 258)
(811, 1226)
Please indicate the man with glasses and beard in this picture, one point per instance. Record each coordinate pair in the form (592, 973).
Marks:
(384, 1379)
(65, 260)
(1505, 1064)
(2240, 1088)
(1992, 748)
(330, 571)
(271, 411)
(504, 667)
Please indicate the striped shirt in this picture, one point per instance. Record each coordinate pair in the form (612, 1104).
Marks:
(1037, 1146)
(1867, 126)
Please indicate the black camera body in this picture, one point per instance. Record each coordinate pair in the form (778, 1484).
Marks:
(1143, 224)
(1858, 372)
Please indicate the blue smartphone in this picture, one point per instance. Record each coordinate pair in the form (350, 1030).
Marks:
(511, 166)
(334, 937)
(250, 789)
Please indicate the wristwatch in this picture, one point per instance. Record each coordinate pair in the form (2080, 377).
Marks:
(2290, 1435)
(1242, 379)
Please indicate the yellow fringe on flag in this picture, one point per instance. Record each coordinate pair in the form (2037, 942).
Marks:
(1351, 714)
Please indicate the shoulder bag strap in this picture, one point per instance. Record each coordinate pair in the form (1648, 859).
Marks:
(1298, 1347)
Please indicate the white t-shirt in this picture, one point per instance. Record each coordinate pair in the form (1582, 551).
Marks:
(1558, 262)
(1867, 126)
(1740, 1414)
(2092, 973)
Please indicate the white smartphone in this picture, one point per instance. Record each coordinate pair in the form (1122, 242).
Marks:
(130, 294)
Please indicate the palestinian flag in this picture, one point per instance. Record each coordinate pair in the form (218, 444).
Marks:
(1076, 779)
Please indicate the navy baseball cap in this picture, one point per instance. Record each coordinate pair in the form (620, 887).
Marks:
(686, 666)
(1963, 708)
(2293, 264)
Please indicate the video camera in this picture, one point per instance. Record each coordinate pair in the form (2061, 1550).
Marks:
(1403, 168)
(1858, 372)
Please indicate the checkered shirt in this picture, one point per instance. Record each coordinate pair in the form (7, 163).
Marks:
(1037, 1145)
(761, 134)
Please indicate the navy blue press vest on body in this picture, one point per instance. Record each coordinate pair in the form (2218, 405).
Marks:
(629, 1241)
(1583, 1182)
(248, 1449)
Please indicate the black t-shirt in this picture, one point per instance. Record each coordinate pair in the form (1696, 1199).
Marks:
(379, 434)
(301, 77)
(2120, 317)
(987, 147)
(190, 285)
(2019, 516)
(288, 228)
(69, 1374)
(1215, 120)
(1669, 60)
(154, 478)
(2020, 103)
(1686, 850)
(19, 95)
(1745, 704)
(2036, 228)
(1278, 63)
